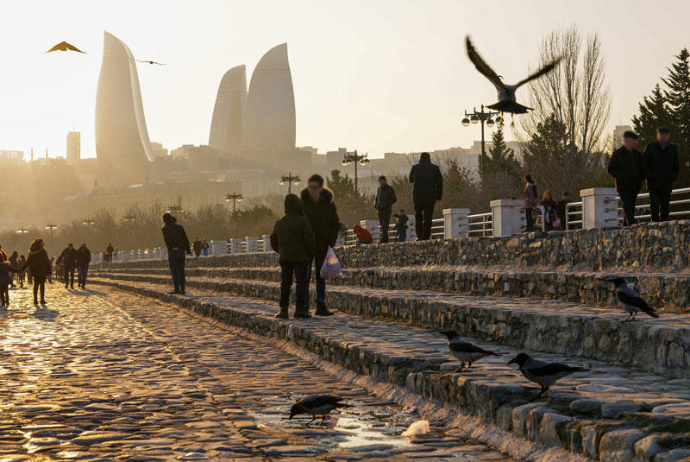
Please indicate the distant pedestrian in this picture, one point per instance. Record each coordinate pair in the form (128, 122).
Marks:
(13, 263)
(550, 211)
(22, 273)
(627, 169)
(204, 248)
(3, 255)
(427, 192)
(39, 264)
(363, 235)
(661, 167)
(401, 225)
(321, 211)
(83, 261)
(109, 252)
(6, 275)
(562, 207)
(197, 247)
(385, 198)
(178, 244)
(68, 259)
(294, 241)
(530, 201)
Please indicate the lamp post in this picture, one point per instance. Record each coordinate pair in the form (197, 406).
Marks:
(174, 208)
(22, 231)
(290, 180)
(353, 157)
(483, 117)
(88, 222)
(235, 198)
(51, 227)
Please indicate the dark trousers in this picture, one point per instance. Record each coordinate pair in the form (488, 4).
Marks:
(69, 277)
(300, 271)
(629, 200)
(316, 264)
(39, 284)
(385, 221)
(176, 262)
(660, 199)
(83, 271)
(423, 214)
(530, 218)
(4, 295)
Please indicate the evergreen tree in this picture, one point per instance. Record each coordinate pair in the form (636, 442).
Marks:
(501, 173)
(653, 112)
(678, 98)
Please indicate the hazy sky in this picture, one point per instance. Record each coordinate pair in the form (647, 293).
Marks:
(375, 75)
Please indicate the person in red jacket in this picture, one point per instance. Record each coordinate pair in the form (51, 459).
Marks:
(363, 236)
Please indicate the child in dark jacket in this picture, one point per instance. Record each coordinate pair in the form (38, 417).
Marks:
(5, 280)
(293, 239)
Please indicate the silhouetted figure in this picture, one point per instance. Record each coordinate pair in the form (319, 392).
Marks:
(109, 252)
(178, 245)
(64, 46)
(6, 275)
(401, 225)
(83, 261)
(661, 167)
(68, 259)
(385, 198)
(530, 201)
(427, 192)
(627, 169)
(197, 247)
(39, 264)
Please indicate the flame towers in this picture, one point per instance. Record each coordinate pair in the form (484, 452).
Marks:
(122, 141)
(226, 127)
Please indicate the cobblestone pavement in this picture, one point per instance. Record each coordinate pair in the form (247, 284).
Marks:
(105, 375)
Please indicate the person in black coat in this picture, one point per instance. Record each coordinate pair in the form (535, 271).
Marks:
(177, 243)
(385, 198)
(5, 279)
(83, 261)
(68, 259)
(293, 239)
(660, 160)
(322, 214)
(626, 168)
(39, 264)
(427, 192)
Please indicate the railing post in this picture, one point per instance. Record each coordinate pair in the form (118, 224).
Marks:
(456, 223)
(252, 244)
(599, 207)
(235, 245)
(507, 216)
(374, 227)
(267, 243)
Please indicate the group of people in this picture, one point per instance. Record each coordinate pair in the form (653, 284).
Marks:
(73, 260)
(200, 247)
(554, 212)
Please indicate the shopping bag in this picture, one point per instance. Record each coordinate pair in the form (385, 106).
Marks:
(331, 266)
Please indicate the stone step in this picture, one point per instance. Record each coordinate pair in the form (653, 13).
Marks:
(607, 413)
(668, 292)
(657, 345)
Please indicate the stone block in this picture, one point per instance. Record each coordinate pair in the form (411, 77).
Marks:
(618, 445)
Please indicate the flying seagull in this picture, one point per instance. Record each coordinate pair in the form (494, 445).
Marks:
(506, 93)
(150, 62)
(631, 301)
(543, 373)
(64, 46)
(317, 406)
(464, 351)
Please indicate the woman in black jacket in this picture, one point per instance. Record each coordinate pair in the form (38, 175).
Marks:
(39, 264)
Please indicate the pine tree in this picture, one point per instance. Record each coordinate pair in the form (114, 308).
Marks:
(501, 175)
(678, 97)
(654, 112)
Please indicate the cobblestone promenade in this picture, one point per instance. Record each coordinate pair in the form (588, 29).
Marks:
(105, 375)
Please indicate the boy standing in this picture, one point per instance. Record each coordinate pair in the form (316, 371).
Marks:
(293, 239)
(401, 226)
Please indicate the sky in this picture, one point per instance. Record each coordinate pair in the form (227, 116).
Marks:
(374, 75)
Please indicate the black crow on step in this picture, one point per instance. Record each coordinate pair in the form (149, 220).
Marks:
(465, 351)
(543, 373)
(630, 301)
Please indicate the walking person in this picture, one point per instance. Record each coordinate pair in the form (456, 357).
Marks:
(39, 264)
(550, 217)
(427, 192)
(13, 263)
(22, 273)
(68, 259)
(204, 248)
(530, 201)
(322, 214)
(385, 198)
(109, 252)
(197, 247)
(83, 261)
(6, 276)
(177, 243)
(293, 239)
(661, 167)
(626, 168)
(401, 225)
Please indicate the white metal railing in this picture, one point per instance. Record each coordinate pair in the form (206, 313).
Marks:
(539, 217)
(573, 215)
(480, 224)
(643, 210)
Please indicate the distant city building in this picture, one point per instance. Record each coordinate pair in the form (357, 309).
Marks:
(73, 147)
(226, 125)
(12, 155)
(123, 147)
(158, 150)
(618, 131)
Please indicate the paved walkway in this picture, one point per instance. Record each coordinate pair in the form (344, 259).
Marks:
(105, 375)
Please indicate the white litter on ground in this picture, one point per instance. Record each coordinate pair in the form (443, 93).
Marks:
(420, 427)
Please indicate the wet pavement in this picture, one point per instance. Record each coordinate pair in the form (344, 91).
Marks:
(105, 375)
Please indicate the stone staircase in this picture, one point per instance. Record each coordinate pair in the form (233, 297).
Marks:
(633, 404)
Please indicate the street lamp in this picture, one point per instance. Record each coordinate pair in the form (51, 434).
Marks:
(51, 227)
(89, 222)
(354, 158)
(483, 117)
(235, 198)
(129, 218)
(22, 231)
(175, 209)
(290, 180)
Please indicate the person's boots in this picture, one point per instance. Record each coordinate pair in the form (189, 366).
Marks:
(283, 314)
(302, 312)
(321, 310)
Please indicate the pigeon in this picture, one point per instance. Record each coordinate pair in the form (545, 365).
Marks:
(506, 93)
(631, 301)
(64, 46)
(317, 406)
(150, 62)
(464, 351)
(543, 373)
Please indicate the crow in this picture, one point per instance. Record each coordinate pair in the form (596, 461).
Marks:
(543, 373)
(465, 351)
(631, 301)
(317, 406)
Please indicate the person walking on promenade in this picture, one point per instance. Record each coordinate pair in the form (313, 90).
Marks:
(177, 243)
(6, 277)
(661, 167)
(293, 239)
(626, 168)
(385, 198)
(322, 214)
(39, 264)
(21, 276)
(427, 192)
(204, 248)
(363, 236)
(562, 207)
(550, 211)
(83, 261)
(197, 247)
(109, 252)
(13, 263)
(401, 225)
(68, 259)
(530, 201)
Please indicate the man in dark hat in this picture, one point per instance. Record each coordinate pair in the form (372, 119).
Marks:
(178, 245)
(625, 167)
(660, 161)
(426, 193)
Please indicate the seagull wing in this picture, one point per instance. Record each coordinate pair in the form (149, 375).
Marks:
(72, 47)
(58, 47)
(544, 70)
(481, 65)
(625, 296)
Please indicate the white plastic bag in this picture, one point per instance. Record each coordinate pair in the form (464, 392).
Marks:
(331, 266)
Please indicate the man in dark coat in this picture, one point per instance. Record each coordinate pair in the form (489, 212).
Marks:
(627, 169)
(427, 192)
(83, 261)
(68, 259)
(197, 247)
(660, 160)
(319, 208)
(293, 239)
(178, 244)
(385, 198)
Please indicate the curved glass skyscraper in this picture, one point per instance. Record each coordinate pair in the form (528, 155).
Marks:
(226, 126)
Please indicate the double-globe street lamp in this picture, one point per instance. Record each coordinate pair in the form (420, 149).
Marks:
(88, 222)
(354, 158)
(290, 180)
(235, 198)
(51, 227)
(22, 231)
(482, 117)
